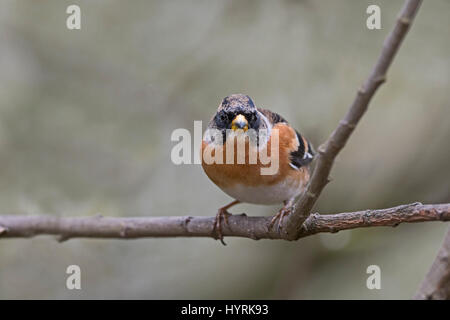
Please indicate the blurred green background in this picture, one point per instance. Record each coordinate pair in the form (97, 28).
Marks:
(86, 117)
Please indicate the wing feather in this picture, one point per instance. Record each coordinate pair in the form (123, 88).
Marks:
(304, 153)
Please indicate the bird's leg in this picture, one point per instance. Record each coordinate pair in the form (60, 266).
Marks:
(286, 210)
(222, 212)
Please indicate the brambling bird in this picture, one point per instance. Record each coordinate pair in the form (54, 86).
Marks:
(244, 181)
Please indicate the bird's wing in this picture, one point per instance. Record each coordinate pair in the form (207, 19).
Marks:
(304, 153)
(273, 117)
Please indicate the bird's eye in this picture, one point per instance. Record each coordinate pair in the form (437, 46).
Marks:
(223, 117)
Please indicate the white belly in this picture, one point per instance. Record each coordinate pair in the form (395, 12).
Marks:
(272, 194)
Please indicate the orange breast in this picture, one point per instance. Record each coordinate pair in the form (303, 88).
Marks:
(227, 175)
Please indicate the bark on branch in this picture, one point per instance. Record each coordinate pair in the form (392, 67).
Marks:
(239, 225)
(330, 149)
(436, 285)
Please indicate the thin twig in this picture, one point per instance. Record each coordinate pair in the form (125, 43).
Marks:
(330, 149)
(436, 285)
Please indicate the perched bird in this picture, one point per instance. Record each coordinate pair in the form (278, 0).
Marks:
(244, 182)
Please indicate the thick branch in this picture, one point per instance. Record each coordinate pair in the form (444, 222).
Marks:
(239, 225)
(330, 149)
(436, 285)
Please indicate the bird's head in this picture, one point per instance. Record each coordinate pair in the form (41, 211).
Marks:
(237, 111)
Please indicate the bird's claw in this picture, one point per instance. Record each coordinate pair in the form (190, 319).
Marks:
(280, 216)
(217, 230)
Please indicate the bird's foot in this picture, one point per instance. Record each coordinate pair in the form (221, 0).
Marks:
(286, 210)
(217, 230)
